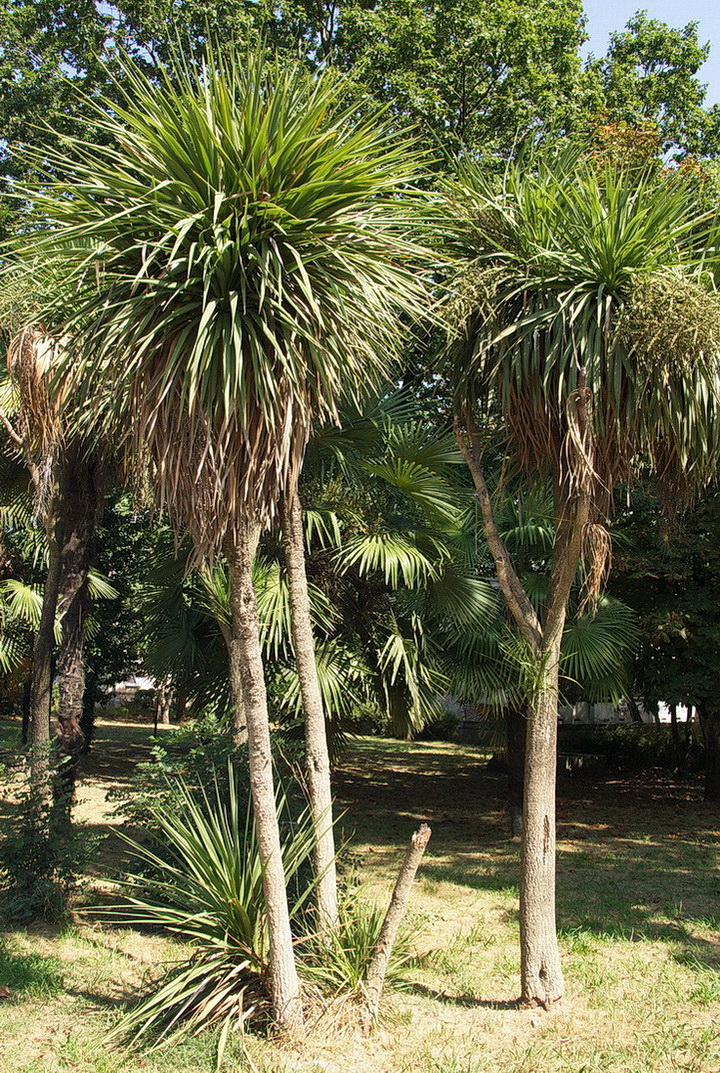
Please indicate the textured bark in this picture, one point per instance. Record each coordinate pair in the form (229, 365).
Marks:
(573, 490)
(634, 710)
(240, 735)
(516, 727)
(518, 602)
(82, 506)
(43, 646)
(164, 695)
(247, 682)
(316, 746)
(710, 726)
(540, 970)
(375, 976)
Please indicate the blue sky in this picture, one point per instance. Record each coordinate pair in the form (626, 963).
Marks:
(604, 16)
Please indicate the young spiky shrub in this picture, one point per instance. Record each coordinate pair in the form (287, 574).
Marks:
(337, 963)
(207, 890)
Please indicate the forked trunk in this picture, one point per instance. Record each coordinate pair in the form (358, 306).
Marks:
(316, 747)
(540, 971)
(247, 681)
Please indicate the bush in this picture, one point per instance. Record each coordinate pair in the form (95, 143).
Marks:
(626, 745)
(338, 963)
(41, 856)
(196, 757)
(209, 893)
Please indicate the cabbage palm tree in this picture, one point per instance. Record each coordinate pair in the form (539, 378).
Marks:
(488, 666)
(238, 245)
(583, 321)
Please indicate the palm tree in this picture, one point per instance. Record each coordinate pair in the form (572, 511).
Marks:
(585, 328)
(238, 245)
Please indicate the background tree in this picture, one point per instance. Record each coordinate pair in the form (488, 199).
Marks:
(650, 76)
(670, 577)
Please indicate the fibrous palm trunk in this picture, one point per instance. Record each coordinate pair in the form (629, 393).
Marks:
(44, 643)
(247, 681)
(316, 746)
(82, 505)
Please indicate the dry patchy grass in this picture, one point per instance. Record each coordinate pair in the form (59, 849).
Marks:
(638, 910)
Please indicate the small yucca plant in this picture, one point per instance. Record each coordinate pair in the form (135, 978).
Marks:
(337, 963)
(209, 893)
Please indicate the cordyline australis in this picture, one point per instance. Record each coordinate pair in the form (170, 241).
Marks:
(237, 255)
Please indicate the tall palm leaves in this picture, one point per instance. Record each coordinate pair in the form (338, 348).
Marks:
(251, 265)
(579, 273)
(584, 321)
(236, 244)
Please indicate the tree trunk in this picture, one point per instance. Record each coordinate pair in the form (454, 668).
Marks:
(541, 974)
(181, 703)
(247, 681)
(634, 710)
(677, 757)
(377, 969)
(43, 646)
(316, 747)
(516, 727)
(164, 695)
(82, 506)
(710, 726)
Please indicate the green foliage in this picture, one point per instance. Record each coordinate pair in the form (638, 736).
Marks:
(208, 893)
(191, 761)
(473, 75)
(42, 856)
(269, 305)
(650, 74)
(557, 256)
(625, 745)
(338, 963)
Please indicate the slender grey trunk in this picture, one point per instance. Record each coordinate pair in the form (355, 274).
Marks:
(540, 970)
(516, 730)
(164, 700)
(316, 746)
(247, 681)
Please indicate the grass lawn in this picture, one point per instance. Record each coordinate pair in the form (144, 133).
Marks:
(638, 911)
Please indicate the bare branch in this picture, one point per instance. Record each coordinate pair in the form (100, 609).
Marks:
(15, 436)
(517, 599)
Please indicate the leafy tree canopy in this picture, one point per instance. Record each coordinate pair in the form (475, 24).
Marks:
(471, 74)
(650, 75)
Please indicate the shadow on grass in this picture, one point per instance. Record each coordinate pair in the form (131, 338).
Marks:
(467, 1001)
(28, 975)
(638, 854)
